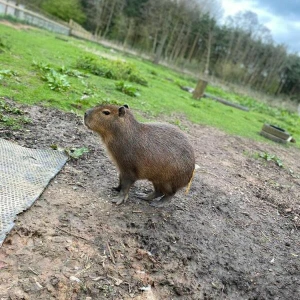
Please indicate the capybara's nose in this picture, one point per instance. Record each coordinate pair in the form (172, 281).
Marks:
(86, 114)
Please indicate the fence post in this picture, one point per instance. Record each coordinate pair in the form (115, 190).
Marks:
(200, 88)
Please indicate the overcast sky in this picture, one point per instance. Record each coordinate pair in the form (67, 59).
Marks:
(282, 17)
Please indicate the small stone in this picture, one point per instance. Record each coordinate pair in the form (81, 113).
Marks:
(54, 281)
(73, 278)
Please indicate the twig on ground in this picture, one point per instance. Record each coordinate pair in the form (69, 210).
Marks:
(111, 254)
(75, 235)
(204, 171)
(34, 272)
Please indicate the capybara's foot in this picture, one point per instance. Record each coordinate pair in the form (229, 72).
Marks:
(118, 200)
(162, 202)
(149, 196)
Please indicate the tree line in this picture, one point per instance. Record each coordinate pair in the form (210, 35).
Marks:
(186, 33)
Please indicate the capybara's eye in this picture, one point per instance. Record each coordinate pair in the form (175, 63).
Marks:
(106, 112)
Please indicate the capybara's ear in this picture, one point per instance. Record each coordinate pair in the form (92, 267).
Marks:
(126, 105)
(121, 111)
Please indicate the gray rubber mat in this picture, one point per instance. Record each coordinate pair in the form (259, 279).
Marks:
(24, 174)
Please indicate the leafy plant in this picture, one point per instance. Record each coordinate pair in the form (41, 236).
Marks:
(11, 116)
(56, 81)
(138, 79)
(9, 108)
(25, 120)
(127, 89)
(111, 69)
(76, 152)
(3, 45)
(43, 67)
(72, 152)
(7, 73)
(70, 72)
(153, 72)
(271, 157)
(8, 121)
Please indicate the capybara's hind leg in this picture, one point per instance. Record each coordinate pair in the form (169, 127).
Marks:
(168, 191)
(164, 200)
(155, 194)
(119, 187)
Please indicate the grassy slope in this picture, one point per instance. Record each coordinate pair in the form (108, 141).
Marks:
(162, 96)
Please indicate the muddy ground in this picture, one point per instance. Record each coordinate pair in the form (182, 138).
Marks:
(234, 236)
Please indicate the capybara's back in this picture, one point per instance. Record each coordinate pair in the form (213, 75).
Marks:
(158, 152)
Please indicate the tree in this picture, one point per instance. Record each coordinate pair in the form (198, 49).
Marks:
(291, 77)
(187, 34)
(65, 9)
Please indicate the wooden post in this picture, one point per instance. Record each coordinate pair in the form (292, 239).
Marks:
(200, 89)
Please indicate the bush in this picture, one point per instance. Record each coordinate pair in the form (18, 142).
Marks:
(111, 69)
(127, 89)
(56, 81)
(7, 74)
(4, 45)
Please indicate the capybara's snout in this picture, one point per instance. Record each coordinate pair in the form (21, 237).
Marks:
(86, 117)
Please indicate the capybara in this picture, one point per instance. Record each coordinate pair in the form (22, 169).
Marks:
(158, 152)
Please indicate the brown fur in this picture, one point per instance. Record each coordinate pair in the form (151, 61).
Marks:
(158, 152)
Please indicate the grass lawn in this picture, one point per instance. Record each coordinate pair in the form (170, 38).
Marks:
(37, 66)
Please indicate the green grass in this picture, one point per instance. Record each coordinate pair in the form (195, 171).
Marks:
(75, 84)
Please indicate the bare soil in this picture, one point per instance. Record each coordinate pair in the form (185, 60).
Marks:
(235, 235)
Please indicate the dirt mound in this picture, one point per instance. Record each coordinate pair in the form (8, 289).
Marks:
(234, 236)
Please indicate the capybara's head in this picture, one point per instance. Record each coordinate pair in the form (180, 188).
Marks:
(106, 118)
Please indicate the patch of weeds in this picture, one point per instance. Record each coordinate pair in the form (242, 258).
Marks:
(74, 153)
(25, 120)
(9, 108)
(9, 121)
(71, 72)
(42, 67)
(196, 104)
(56, 81)
(7, 74)
(89, 89)
(270, 157)
(137, 79)
(178, 123)
(111, 101)
(107, 290)
(4, 45)
(178, 83)
(127, 89)
(152, 72)
(12, 117)
(111, 69)
(95, 66)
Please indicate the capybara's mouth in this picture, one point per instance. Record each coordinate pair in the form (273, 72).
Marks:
(85, 122)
